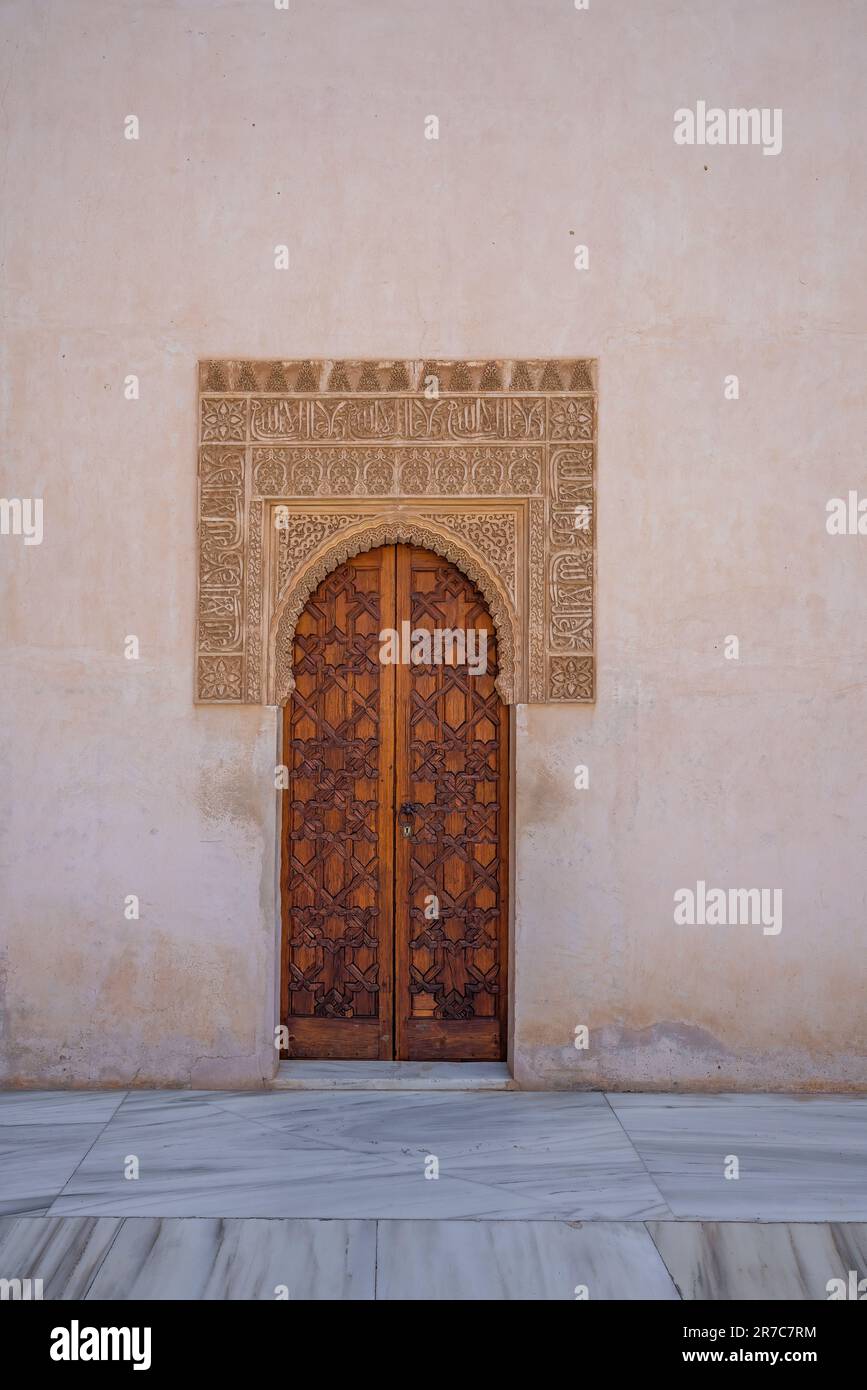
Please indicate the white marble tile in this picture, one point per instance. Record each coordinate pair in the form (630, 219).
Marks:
(58, 1107)
(799, 1158)
(502, 1154)
(37, 1160)
(748, 1260)
(373, 1122)
(301, 1183)
(214, 1162)
(565, 1155)
(231, 1259)
(211, 1164)
(303, 1075)
(64, 1253)
(154, 1108)
(528, 1260)
(592, 1179)
(516, 1155)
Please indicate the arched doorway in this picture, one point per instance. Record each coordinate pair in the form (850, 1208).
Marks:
(395, 831)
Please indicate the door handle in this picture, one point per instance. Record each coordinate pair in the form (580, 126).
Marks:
(408, 809)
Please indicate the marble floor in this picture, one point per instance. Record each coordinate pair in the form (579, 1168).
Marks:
(141, 1258)
(799, 1158)
(434, 1155)
(440, 1194)
(308, 1075)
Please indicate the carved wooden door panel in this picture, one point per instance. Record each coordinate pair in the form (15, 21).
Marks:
(451, 871)
(395, 825)
(338, 819)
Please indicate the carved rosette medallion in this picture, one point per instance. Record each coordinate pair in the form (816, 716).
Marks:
(305, 463)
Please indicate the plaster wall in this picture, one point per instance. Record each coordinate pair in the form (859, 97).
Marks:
(261, 127)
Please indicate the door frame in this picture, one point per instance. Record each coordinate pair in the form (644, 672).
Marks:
(277, 843)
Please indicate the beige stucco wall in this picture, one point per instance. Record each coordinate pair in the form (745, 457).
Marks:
(261, 127)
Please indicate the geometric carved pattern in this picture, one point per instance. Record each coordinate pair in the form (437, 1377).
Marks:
(373, 750)
(489, 463)
(423, 531)
(455, 775)
(335, 882)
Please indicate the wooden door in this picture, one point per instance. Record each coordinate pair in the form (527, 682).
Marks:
(452, 769)
(395, 822)
(337, 874)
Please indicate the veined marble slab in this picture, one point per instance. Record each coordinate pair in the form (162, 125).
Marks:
(58, 1107)
(197, 1158)
(341, 1155)
(249, 1259)
(747, 1260)
(64, 1253)
(373, 1122)
(502, 1155)
(303, 1075)
(445, 1260)
(800, 1158)
(36, 1161)
(43, 1137)
(200, 1258)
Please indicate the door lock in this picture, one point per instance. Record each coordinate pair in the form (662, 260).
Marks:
(407, 810)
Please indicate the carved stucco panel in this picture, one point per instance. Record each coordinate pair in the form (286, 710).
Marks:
(492, 464)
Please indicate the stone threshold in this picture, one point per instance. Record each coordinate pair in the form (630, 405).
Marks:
(307, 1075)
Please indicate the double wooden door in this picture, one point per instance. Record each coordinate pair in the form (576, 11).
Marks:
(395, 826)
